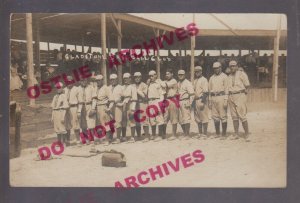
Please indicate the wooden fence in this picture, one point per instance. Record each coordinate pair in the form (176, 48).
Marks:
(266, 95)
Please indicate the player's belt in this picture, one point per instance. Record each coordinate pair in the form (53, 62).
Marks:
(87, 103)
(58, 109)
(217, 93)
(237, 92)
(204, 94)
(151, 99)
(102, 104)
(73, 105)
(198, 98)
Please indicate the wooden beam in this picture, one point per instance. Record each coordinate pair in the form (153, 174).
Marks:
(155, 32)
(223, 23)
(157, 57)
(180, 56)
(30, 68)
(82, 42)
(250, 33)
(48, 48)
(37, 45)
(119, 25)
(193, 44)
(142, 21)
(108, 50)
(116, 25)
(52, 16)
(275, 60)
(103, 46)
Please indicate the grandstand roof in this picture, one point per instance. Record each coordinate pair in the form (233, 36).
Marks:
(251, 31)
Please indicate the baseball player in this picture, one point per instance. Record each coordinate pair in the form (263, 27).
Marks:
(186, 93)
(59, 106)
(155, 94)
(228, 71)
(71, 92)
(87, 115)
(218, 101)
(129, 105)
(141, 104)
(172, 111)
(201, 101)
(238, 85)
(103, 95)
(116, 106)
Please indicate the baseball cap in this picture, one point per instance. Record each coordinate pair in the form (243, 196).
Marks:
(126, 75)
(69, 77)
(137, 74)
(59, 84)
(98, 77)
(113, 76)
(152, 72)
(217, 65)
(181, 72)
(232, 63)
(197, 68)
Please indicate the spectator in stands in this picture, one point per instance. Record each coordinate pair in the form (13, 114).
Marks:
(22, 71)
(15, 81)
(208, 64)
(263, 61)
(60, 54)
(221, 59)
(50, 71)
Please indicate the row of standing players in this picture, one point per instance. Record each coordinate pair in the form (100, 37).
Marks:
(81, 108)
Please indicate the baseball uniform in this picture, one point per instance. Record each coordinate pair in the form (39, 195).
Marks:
(185, 90)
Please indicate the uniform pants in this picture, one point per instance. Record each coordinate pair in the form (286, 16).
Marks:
(219, 113)
(238, 106)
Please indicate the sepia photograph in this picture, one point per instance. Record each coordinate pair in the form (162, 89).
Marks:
(160, 100)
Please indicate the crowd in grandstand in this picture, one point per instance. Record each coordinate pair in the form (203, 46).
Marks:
(258, 68)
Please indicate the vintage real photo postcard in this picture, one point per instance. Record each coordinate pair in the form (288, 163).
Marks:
(148, 100)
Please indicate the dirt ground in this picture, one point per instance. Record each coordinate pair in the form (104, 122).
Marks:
(228, 163)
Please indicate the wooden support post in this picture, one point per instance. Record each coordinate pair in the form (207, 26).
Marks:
(37, 46)
(103, 46)
(30, 68)
(275, 60)
(48, 48)
(108, 50)
(193, 43)
(116, 24)
(180, 58)
(108, 44)
(82, 42)
(157, 57)
(119, 25)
